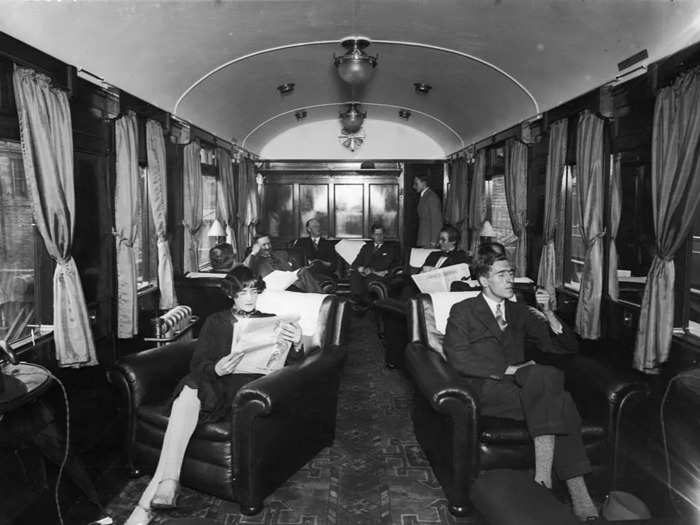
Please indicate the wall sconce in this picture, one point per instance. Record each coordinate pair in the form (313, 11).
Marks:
(286, 88)
(422, 88)
(404, 114)
(300, 115)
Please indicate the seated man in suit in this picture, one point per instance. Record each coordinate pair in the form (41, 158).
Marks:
(373, 263)
(485, 343)
(263, 261)
(449, 254)
(318, 251)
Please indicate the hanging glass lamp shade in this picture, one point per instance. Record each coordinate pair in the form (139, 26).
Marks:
(352, 119)
(355, 67)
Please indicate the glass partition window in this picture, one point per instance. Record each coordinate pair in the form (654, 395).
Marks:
(694, 290)
(17, 254)
(384, 207)
(279, 211)
(349, 210)
(313, 204)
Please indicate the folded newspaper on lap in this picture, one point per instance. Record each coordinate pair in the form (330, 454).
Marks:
(280, 280)
(256, 339)
(439, 280)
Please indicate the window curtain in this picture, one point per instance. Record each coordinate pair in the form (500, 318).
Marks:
(126, 223)
(675, 183)
(516, 199)
(158, 200)
(476, 196)
(589, 182)
(248, 203)
(227, 208)
(556, 156)
(193, 205)
(615, 195)
(457, 200)
(47, 152)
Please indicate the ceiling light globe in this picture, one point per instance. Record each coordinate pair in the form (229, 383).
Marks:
(352, 119)
(355, 67)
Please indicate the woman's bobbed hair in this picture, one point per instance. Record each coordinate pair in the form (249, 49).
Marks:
(239, 278)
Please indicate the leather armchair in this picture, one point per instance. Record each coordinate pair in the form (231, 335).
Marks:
(460, 443)
(278, 422)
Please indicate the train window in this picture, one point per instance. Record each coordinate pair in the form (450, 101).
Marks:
(17, 253)
(574, 247)
(209, 207)
(694, 291)
(497, 214)
(145, 250)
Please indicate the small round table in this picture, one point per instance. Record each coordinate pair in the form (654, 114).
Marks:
(22, 383)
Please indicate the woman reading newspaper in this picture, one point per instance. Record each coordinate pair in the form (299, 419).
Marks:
(207, 392)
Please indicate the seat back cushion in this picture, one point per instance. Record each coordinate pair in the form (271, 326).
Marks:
(436, 309)
(349, 248)
(418, 257)
(310, 306)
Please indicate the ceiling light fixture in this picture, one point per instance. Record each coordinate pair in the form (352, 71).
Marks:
(352, 141)
(404, 114)
(355, 67)
(422, 88)
(285, 88)
(300, 115)
(352, 119)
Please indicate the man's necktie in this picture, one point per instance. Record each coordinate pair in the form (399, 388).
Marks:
(499, 318)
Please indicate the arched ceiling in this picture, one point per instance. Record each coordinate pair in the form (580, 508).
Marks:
(491, 63)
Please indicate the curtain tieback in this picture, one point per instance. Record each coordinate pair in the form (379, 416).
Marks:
(597, 237)
(122, 240)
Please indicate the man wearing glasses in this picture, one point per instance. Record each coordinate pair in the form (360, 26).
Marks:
(485, 343)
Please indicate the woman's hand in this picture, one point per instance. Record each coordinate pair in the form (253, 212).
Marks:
(290, 332)
(227, 364)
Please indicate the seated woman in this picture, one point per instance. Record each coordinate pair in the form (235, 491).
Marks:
(207, 392)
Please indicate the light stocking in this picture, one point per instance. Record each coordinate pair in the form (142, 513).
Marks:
(544, 457)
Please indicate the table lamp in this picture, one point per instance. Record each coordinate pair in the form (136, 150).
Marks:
(10, 386)
(217, 230)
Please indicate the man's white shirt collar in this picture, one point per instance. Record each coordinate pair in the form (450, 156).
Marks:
(494, 304)
(424, 190)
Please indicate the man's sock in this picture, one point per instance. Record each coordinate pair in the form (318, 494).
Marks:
(580, 498)
(544, 456)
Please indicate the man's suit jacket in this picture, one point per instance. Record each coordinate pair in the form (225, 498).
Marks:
(386, 257)
(278, 260)
(429, 219)
(453, 257)
(476, 347)
(324, 252)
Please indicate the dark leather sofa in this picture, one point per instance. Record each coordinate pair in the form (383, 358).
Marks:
(459, 443)
(278, 423)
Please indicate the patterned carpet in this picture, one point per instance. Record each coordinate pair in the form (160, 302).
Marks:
(375, 473)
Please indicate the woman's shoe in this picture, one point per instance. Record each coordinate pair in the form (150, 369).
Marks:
(140, 516)
(166, 500)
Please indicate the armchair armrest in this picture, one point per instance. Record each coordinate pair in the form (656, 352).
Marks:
(152, 374)
(600, 391)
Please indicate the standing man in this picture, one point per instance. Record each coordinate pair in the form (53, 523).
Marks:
(263, 261)
(485, 343)
(373, 263)
(429, 213)
(318, 251)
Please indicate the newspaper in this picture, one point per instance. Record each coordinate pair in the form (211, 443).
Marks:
(256, 339)
(280, 280)
(439, 280)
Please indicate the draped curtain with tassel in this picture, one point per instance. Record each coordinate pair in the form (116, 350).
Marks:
(228, 197)
(457, 200)
(47, 152)
(516, 199)
(476, 196)
(615, 196)
(126, 223)
(193, 205)
(248, 204)
(589, 182)
(547, 272)
(158, 199)
(675, 184)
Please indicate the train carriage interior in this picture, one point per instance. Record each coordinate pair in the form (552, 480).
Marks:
(350, 152)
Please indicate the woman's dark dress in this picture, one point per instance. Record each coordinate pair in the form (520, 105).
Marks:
(216, 392)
